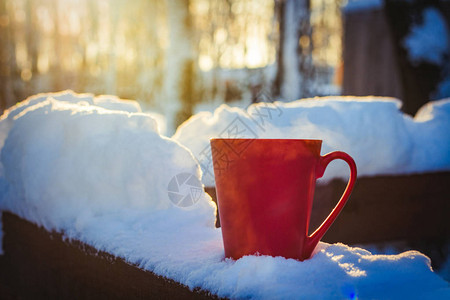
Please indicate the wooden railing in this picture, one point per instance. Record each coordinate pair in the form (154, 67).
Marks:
(41, 264)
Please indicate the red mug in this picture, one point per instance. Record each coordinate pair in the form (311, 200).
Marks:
(265, 190)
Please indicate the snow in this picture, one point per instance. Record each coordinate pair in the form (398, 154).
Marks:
(428, 41)
(98, 160)
(161, 120)
(373, 130)
(102, 177)
(114, 103)
(292, 78)
(362, 5)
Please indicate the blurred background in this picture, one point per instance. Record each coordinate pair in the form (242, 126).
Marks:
(179, 56)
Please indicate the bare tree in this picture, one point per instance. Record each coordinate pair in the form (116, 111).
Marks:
(5, 68)
(294, 57)
(180, 62)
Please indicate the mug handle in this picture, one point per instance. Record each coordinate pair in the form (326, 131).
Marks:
(314, 238)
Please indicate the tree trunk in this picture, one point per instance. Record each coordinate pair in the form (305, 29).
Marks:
(4, 56)
(32, 37)
(10, 80)
(295, 68)
(181, 64)
(55, 66)
(279, 15)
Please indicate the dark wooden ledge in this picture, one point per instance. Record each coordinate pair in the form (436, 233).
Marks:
(41, 265)
(384, 208)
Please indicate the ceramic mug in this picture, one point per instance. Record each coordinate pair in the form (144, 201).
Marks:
(265, 190)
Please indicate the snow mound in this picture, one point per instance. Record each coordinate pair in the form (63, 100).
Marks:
(373, 130)
(68, 96)
(66, 161)
(356, 6)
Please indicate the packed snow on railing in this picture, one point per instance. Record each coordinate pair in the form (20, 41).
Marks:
(373, 130)
(106, 177)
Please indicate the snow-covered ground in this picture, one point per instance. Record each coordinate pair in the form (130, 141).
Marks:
(109, 179)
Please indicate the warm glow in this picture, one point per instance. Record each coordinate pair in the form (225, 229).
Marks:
(327, 32)
(241, 40)
(237, 42)
(124, 47)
